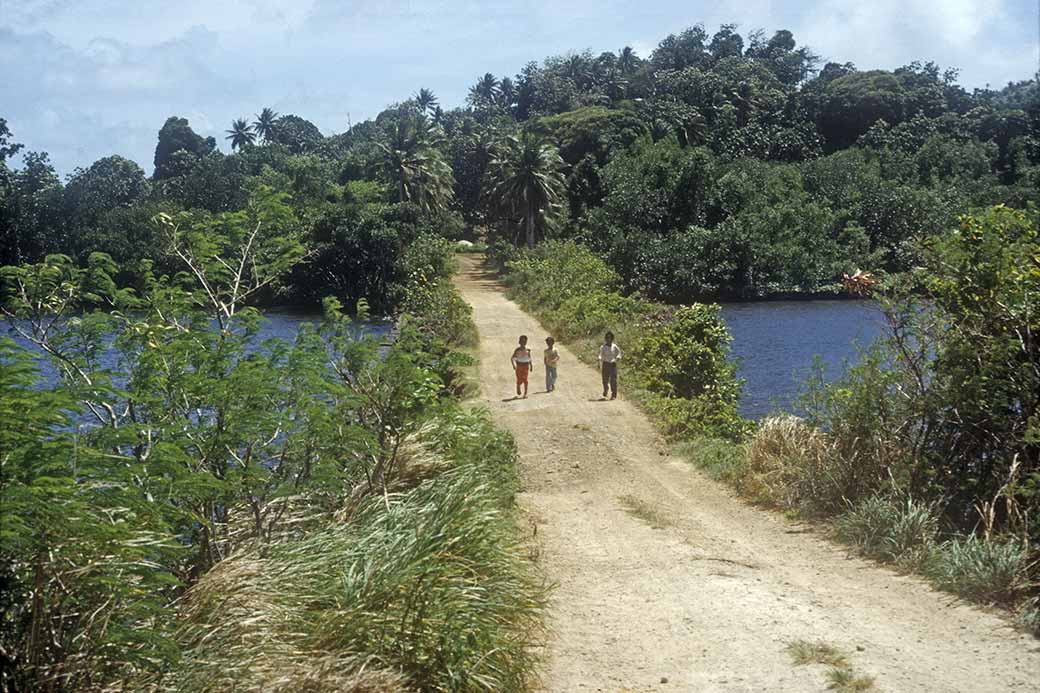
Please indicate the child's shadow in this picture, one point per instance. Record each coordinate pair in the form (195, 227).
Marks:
(514, 397)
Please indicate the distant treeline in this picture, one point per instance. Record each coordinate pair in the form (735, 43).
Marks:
(719, 165)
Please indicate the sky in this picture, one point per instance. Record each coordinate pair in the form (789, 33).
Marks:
(83, 79)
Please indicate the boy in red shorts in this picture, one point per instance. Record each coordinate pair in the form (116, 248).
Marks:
(521, 361)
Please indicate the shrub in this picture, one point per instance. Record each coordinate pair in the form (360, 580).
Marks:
(682, 353)
(427, 587)
(986, 570)
(719, 457)
(558, 270)
(890, 529)
(787, 466)
(592, 314)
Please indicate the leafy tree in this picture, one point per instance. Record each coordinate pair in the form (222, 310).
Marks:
(297, 134)
(241, 134)
(850, 104)
(687, 49)
(524, 180)
(7, 148)
(177, 136)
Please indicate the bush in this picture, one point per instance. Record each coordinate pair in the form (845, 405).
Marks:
(558, 270)
(593, 314)
(425, 589)
(787, 466)
(994, 571)
(889, 529)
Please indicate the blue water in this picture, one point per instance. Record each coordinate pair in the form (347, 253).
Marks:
(280, 324)
(776, 342)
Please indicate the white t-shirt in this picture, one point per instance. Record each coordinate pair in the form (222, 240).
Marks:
(610, 354)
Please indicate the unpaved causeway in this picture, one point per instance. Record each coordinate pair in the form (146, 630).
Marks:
(665, 581)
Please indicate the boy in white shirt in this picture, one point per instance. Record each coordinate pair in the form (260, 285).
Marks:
(609, 355)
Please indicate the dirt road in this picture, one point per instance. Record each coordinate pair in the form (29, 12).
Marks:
(665, 581)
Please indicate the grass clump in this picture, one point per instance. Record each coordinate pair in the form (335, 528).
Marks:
(841, 676)
(721, 459)
(848, 681)
(891, 529)
(642, 510)
(786, 465)
(988, 571)
(424, 589)
(806, 652)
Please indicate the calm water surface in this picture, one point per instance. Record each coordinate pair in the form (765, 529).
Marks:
(278, 323)
(775, 343)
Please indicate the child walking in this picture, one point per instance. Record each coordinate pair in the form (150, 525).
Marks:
(550, 358)
(609, 355)
(521, 361)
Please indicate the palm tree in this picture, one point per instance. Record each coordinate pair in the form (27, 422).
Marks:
(241, 134)
(264, 125)
(524, 177)
(409, 158)
(627, 60)
(506, 93)
(426, 100)
(484, 92)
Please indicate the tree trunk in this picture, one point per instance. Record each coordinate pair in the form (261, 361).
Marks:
(530, 225)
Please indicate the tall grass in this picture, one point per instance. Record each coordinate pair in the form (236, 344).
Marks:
(425, 588)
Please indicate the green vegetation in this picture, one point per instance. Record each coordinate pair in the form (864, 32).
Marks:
(841, 675)
(180, 491)
(925, 453)
(675, 357)
(324, 513)
(805, 652)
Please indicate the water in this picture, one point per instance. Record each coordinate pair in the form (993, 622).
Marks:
(775, 343)
(278, 324)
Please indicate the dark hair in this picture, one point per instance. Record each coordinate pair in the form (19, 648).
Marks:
(550, 340)
(610, 336)
(523, 338)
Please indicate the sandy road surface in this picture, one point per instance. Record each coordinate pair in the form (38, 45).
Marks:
(710, 597)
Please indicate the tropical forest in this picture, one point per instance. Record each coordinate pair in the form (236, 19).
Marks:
(252, 426)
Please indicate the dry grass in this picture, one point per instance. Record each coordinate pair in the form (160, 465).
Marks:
(805, 652)
(846, 680)
(787, 465)
(642, 510)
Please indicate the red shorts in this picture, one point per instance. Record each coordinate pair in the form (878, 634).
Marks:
(521, 373)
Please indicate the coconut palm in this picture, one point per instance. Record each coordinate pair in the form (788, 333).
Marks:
(525, 179)
(264, 125)
(485, 92)
(627, 60)
(410, 160)
(425, 100)
(241, 134)
(506, 93)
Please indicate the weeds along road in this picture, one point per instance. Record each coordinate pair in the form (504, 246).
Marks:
(665, 581)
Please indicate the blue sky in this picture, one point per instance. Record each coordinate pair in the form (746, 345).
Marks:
(84, 79)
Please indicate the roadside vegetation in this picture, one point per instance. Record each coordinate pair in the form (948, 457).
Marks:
(184, 505)
(188, 509)
(925, 454)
